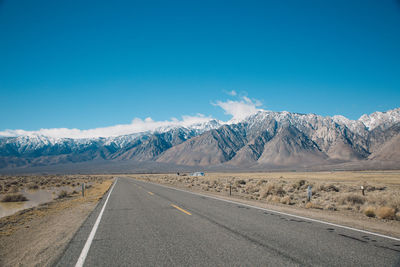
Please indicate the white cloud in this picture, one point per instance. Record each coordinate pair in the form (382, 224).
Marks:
(239, 109)
(232, 93)
(136, 126)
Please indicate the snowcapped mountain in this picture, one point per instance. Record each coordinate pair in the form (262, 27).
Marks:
(381, 119)
(33, 142)
(265, 138)
(285, 139)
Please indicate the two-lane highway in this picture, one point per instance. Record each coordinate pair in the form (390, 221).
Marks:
(144, 224)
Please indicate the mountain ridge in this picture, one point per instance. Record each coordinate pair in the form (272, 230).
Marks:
(266, 138)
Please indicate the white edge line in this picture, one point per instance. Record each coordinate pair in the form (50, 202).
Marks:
(278, 212)
(85, 250)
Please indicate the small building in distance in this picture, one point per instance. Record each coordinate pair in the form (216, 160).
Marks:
(197, 174)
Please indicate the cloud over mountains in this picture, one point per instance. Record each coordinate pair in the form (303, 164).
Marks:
(238, 109)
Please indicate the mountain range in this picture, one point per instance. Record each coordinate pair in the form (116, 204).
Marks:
(265, 140)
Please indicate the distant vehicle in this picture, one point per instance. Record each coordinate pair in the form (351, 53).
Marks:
(197, 174)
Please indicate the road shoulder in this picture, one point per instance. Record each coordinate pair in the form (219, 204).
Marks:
(38, 236)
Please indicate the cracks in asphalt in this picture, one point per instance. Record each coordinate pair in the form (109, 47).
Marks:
(370, 241)
(354, 238)
(287, 219)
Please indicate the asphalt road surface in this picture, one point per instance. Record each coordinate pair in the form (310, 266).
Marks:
(144, 224)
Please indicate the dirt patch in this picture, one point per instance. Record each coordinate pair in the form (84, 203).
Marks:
(37, 236)
(336, 196)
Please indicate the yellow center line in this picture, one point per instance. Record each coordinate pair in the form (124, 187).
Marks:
(150, 193)
(178, 208)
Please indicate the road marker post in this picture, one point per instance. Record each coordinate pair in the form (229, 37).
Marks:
(83, 189)
(309, 193)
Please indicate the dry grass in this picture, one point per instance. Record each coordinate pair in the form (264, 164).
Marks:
(11, 223)
(286, 200)
(386, 213)
(14, 184)
(369, 211)
(352, 199)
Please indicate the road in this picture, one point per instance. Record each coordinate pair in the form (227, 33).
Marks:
(144, 224)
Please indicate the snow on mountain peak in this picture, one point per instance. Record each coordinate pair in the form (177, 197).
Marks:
(384, 119)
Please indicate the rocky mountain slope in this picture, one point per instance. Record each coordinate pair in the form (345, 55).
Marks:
(266, 139)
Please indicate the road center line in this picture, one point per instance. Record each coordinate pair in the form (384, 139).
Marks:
(85, 250)
(178, 208)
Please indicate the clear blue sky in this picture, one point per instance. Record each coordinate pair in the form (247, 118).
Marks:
(85, 64)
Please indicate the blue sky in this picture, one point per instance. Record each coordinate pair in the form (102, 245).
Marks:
(88, 64)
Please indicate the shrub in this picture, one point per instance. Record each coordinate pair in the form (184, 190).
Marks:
(252, 189)
(309, 205)
(386, 213)
(286, 200)
(369, 211)
(297, 185)
(370, 188)
(275, 199)
(331, 187)
(14, 198)
(63, 194)
(241, 182)
(263, 193)
(280, 191)
(262, 181)
(393, 201)
(33, 186)
(352, 199)
(13, 189)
